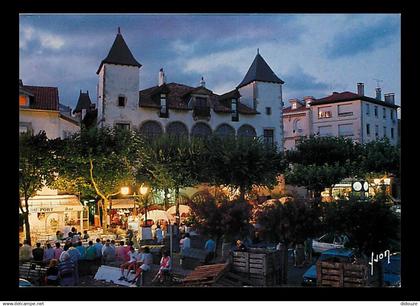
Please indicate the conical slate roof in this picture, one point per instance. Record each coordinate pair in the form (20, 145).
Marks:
(83, 102)
(119, 54)
(259, 71)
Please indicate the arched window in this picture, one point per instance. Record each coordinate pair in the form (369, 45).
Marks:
(151, 129)
(177, 129)
(201, 130)
(247, 131)
(297, 127)
(225, 130)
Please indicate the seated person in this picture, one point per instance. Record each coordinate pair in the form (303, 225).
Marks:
(165, 266)
(130, 264)
(38, 253)
(51, 276)
(108, 253)
(145, 261)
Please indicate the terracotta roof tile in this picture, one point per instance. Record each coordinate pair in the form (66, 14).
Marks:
(44, 97)
(349, 96)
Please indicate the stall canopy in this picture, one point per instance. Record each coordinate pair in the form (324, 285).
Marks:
(158, 215)
(123, 203)
(183, 209)
(56, 203)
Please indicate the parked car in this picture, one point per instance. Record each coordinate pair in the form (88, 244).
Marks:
(24, 283)
(328, 241)
(392, 271)
(342, 254)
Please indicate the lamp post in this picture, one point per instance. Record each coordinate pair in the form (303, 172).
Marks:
(143, 191)
(143, 194)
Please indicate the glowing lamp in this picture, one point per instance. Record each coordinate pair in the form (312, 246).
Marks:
(125, 190)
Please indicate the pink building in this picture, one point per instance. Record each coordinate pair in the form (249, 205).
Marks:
(346, 114)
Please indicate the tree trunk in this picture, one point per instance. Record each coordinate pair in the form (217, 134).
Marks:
(104, 216)
(178, 219)
(26, 216)
(165, 201)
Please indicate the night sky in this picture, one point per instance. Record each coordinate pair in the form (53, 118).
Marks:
(314, 54)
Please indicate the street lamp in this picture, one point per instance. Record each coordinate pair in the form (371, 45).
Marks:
(143, 192)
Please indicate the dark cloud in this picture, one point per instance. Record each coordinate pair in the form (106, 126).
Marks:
(361, 38)
(299, 79)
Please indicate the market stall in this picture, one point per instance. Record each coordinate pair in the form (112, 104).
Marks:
(51, 213)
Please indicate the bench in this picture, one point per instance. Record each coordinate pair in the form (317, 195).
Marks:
(32, 272)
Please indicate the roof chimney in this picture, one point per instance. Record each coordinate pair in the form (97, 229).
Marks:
(162, 78)
(308, 100)
(202, 82)
(360, 89)
(390, 98)
(378, 93)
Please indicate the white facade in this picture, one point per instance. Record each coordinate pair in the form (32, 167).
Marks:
(296, 125)
(117, 81)
(362, 120)
(54, 124)
(355, 122)
(337, 123)
(387, 127)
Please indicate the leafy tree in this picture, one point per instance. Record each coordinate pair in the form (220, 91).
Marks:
(105, 158)
(380, 157)
(172, 163)
(35, 170)
(227, 218)
(241, 163)
(290, 223)
(370, 225)
(319, 162)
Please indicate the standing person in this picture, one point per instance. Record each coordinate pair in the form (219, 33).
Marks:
(59, 235)
(165, 266)
(210, 247)
(308, 250)
(85, 235)
(130, 234)
(120, 253)
(48, 254)
(51, 275)
(38, 253)
(108, 253)
(67, 269)
(81, 249)
(98, 247)
(64, 255)
(90, 252)
(130, 264)
(185, 244)
(159, 235)
(57, 250)
(145, 261)
(25, 252)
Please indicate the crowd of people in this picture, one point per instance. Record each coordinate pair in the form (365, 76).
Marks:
(63, 259)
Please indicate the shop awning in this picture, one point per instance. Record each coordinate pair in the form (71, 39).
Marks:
(54, 203)
(123, 203)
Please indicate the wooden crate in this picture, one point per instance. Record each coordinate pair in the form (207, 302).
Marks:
(341, 274)
(256, 261)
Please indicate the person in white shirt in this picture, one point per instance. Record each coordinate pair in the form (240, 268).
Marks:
(159, 234)
(146, 260)
(130, 264)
